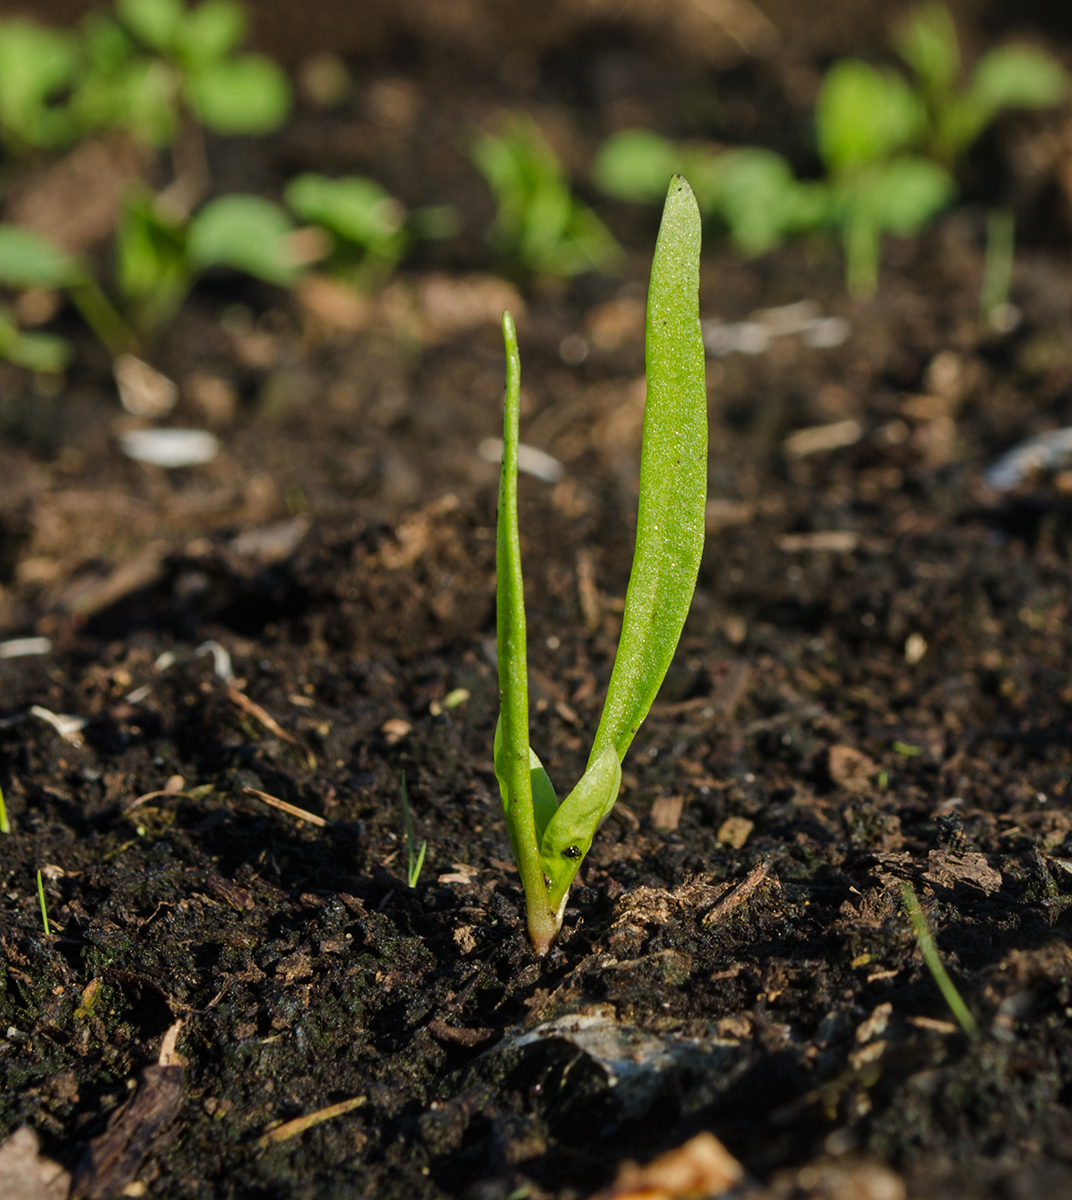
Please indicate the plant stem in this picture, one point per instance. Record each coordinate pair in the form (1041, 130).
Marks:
(543, 923)
(5, 824)
(932, 958)
(997, 268)
(101, 316)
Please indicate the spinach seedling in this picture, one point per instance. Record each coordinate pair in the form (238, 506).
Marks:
(540, 227)
(549, 839)
(367, 230)
(158, 259)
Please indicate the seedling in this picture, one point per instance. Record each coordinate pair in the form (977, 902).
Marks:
(5, 824)
(998, 265)
(540, 227)
(142, 71)
(158, 260)
(1011, 76)
(888, 147)
(44, 906)
(366, 230)
(549, 839)
(414, 860)
(927, 947)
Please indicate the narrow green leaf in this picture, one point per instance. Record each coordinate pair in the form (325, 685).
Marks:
(544, 799)
(569, 833)
(45, 352)
(673, 478)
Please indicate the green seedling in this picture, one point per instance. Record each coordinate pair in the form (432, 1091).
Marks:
(152, 66)
(752, 190)
(998, 264)
(414, 858)
(5, 824)
(540, 227)
(36, 68)
(549, 839)
(367, 231)
(1011, 76)
(44, 906)
(933, 960)
(888, 147)
(158, 259)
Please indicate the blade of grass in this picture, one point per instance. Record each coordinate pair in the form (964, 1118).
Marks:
(927, 947)
(5, 824)
(414, 862)
(513, 765)
(44, 907)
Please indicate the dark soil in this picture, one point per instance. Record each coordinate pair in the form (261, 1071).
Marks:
(845, 714)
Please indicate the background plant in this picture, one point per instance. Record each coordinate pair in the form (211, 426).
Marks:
(144, 70)
(158, 259)
(888, 147)
(540, 227)
(550, 840)
(367, 231)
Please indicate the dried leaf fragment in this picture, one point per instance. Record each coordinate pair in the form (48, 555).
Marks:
(700, 1169)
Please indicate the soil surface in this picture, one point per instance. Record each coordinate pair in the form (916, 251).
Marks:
(873, 688)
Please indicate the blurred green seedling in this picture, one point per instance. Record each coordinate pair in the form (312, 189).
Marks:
(367, 231)
(888, 147)
(158, 259)
(145, 69)
(752, 190)
(956, 111)
(550, 839)
(540, 227)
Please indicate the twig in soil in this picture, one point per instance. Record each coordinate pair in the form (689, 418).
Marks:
(242, 701)
(44, 907)
(414, 861)
(739, 894)
(283, 1133)
(283, 806)
(933, 959)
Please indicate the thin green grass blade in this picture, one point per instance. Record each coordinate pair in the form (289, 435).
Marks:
(933, 960)
(673, 478)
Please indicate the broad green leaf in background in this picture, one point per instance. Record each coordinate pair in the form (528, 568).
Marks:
(44, 352)
(153, 22)
(635, 164)
(1018, 76)
(29, 260)
(762, 201)
(247, 233)
(210, 32)
(35, 63)
(244, 95)
(354, 208)
(864, 115)
(927, 41)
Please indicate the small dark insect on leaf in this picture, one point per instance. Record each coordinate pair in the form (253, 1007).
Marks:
(571, 852)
